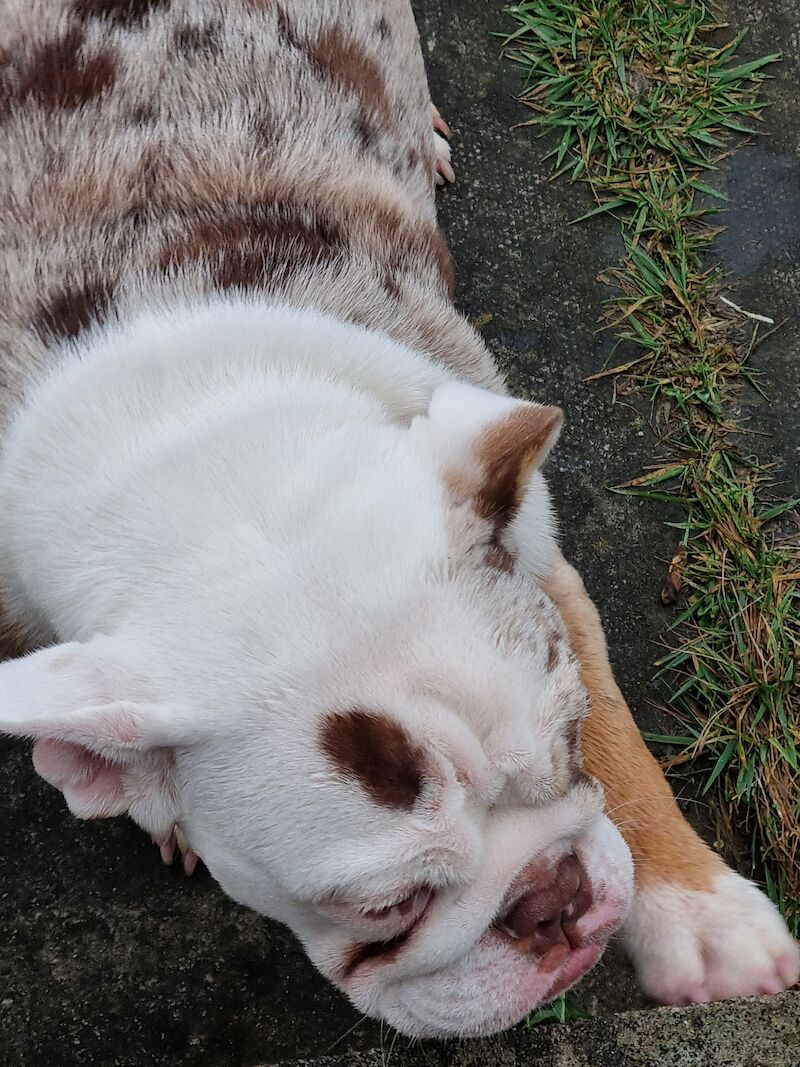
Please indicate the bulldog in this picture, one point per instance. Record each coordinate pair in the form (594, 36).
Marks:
(275, 538)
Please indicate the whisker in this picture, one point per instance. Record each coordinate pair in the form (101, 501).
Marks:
(347, 1033)
(391, 1047)
(668, 801)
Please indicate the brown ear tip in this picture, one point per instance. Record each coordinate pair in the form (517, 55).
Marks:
(554, 416)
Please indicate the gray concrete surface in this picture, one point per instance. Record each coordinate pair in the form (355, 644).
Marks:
(108, 958)
(761, 1032)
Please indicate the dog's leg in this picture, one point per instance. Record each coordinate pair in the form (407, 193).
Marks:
(441, 136)
(697, 931)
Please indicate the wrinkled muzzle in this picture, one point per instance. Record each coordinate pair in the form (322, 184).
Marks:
(525, 931)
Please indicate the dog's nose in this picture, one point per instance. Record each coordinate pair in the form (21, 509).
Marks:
(543, 921)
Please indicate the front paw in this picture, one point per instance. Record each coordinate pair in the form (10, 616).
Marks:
(691, 946)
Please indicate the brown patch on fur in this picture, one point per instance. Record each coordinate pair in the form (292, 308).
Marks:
(122, 12)
(142, 114)
(71, 309)
(383, 29)
(286, 31)
(508, 451)
(407, 245)
(345, 61)
(366, 130)
(375, 751)
(332, 54)
(58, 76)
(499, 558)
(192, 40)
(265, 129)
(257, 243)
(244, 249)
(638, 798)
(372, 951)
(553, 644)
(389, 283)
(573, 738)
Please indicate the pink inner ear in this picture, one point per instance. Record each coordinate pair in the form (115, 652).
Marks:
(92, 786)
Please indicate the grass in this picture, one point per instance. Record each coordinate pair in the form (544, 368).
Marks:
(561, 1010)
(644, 99)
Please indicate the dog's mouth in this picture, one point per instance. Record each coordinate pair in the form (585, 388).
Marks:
(574, 967)
(464, 973)
(507, 990)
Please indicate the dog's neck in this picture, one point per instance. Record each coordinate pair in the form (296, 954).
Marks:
(206, 416)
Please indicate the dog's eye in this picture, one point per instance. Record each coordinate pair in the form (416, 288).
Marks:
(403, 913)
(383, 922)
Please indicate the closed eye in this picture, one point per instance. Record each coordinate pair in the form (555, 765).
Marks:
(407, 913)
(404, 912)
(384, 922)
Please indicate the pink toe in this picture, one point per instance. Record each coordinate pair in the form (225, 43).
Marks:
(773, 984)
(189, 863)
(788, 968)
(167, 850)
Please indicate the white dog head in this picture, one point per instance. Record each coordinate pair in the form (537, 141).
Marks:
(378, 744)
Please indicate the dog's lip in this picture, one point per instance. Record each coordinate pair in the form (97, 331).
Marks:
(579, 961)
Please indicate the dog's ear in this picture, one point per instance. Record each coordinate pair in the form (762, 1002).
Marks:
(98, 737)
(490, 445)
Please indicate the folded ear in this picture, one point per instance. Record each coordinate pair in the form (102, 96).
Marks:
(491, 445)
(97, 736)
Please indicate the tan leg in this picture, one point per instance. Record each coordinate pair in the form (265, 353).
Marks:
(638, 797)
(697, 931)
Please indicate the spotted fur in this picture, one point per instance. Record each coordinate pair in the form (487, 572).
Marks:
(154, 150)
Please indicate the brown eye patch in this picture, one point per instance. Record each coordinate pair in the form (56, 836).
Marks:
(376, 752)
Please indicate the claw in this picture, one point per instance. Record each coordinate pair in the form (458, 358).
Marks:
(167, 846)
(441, 135)
(189, 863)
(439, 124)
(167, 849)
(444, 172)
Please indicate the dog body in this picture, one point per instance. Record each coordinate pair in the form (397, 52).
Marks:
(266, 502)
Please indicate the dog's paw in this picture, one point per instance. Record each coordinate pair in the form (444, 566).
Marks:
(174, 842)
(441, 136)
(690, 946)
